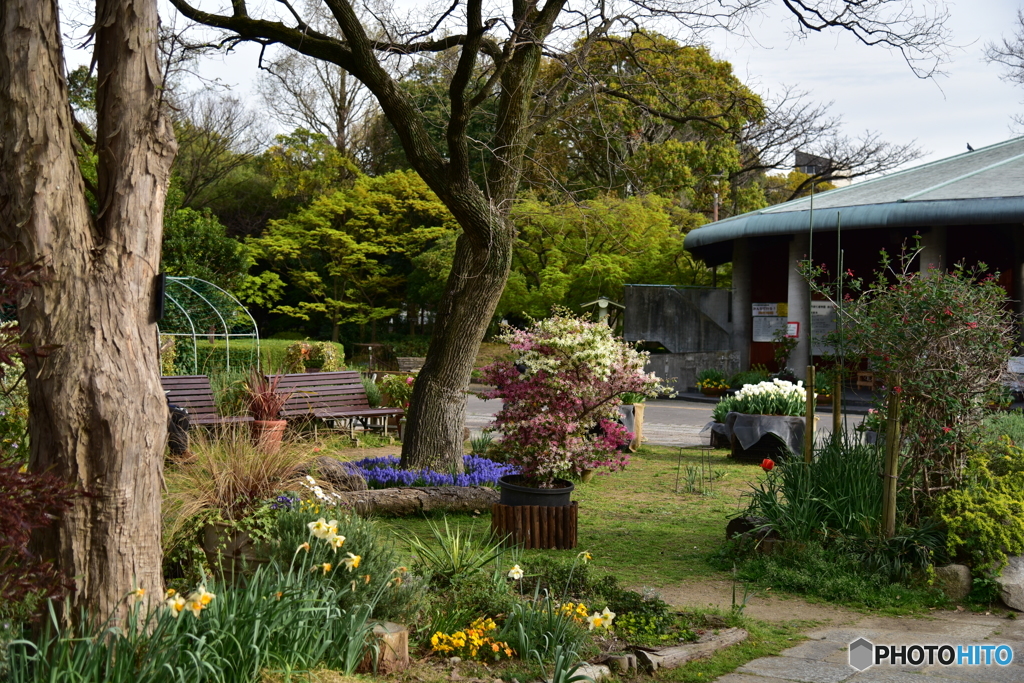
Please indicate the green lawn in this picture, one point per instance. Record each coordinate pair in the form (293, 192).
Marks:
(637, 526)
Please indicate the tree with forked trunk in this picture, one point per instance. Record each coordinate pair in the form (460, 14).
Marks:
(498, 52)
(97, 413)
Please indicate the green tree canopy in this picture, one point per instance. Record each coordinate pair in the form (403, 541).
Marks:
(346, 257)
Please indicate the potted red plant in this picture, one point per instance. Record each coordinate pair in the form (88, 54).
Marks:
(264, 401)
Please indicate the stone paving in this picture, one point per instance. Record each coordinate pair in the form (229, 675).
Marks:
(824, 658)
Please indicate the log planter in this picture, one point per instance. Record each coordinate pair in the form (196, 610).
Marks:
(536, 526)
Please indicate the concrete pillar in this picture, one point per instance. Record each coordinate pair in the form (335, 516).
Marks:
(933, 249)
(741, 315)
(799, 300)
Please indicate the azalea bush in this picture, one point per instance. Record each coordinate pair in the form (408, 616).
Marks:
(777, 397)
(384, 472)
(561, 395)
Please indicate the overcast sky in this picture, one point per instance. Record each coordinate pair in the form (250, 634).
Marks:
(872, 88)
(875, 90)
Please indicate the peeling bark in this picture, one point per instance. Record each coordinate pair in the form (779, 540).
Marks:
(97, 413)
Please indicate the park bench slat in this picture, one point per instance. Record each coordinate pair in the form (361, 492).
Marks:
(330, 396)
(193, 393)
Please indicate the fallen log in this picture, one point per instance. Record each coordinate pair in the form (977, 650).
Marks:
(414, 500)
(671, 657)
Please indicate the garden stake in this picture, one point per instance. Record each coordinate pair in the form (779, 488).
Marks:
(679, 466)
(837, 402)
(892, 451)
(809, 417)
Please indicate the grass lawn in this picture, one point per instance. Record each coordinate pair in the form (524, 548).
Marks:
(634, 522)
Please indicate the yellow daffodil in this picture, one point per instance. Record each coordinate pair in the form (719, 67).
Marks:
(175, 603)
(170, 593)
(336, 541)
(23, 469)
(279, 595)
(139, 593)
(596, 620)
(515, 573)
(325, 567)
(352, 561)
(366, 579)
(585, 556)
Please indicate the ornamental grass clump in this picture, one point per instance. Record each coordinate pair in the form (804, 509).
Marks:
(561, 395)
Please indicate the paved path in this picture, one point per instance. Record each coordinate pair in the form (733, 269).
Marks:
(825, 657)
(666, 422)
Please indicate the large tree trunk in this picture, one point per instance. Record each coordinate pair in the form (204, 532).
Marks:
(97, 413)
(437, 412)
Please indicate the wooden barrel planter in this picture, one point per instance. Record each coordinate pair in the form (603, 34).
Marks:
(536, 526)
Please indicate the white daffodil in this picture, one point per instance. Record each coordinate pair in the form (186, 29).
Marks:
(323, 529)
(336, 541)
(175, 603)
(607, 615)
(352, 561)
(515, 573)
(596, 620)
(204, 596)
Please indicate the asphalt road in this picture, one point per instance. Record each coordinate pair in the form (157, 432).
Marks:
(666, 422)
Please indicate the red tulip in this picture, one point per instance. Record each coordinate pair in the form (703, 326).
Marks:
(767, 464)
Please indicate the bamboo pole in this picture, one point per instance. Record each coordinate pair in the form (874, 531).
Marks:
(837, 401)
(892, 452)
(809, 417)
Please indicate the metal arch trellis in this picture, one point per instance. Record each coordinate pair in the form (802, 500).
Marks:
(201, 308)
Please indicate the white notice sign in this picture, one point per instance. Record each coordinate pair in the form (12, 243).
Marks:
(765, 327)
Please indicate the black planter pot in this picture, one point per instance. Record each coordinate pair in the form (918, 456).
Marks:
(514, 493)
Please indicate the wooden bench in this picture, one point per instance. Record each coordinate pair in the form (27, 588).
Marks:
(333, 396)
(193, 393)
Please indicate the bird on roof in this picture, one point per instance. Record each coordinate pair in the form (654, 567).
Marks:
(969, 148)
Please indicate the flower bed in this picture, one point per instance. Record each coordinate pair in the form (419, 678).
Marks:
(777, 397)
(382, 473)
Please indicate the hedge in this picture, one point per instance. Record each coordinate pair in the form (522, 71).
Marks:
(213, 357)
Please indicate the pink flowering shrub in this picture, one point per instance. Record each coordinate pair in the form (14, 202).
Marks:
(561, 397)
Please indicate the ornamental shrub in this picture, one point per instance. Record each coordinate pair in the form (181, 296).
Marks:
(985, 517)
(941, 340)
(561, 396)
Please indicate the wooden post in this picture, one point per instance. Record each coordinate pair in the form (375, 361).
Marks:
(837, 403)
(892, 454)
(809, 417)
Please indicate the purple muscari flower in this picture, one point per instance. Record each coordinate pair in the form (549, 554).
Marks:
(385, 473)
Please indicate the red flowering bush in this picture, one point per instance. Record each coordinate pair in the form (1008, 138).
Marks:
(940, 340)
(561, 397)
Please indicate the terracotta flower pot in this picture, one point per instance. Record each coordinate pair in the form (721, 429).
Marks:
(267, 434)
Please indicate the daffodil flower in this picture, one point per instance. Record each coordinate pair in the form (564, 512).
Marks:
(195, 607)
(204, 596)
(336, 541)
(515, 573)
(595, 620)
(585, 556)
(139, 593)
(608, 616)
(323, 529)
(304, 546)
(175, 603)
(352, 561)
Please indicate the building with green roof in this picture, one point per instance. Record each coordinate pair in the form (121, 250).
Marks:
(968, 207)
